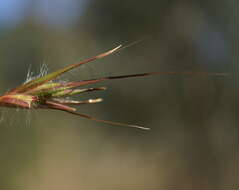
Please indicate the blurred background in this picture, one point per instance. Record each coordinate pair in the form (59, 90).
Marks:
(194, 139)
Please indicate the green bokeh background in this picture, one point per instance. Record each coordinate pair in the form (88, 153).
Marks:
(194, 139)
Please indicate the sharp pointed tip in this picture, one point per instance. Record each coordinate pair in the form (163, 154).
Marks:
(108, 52)
(95, 100)
(102, 88)
(119, 46)
(115, 49)
(140, 127)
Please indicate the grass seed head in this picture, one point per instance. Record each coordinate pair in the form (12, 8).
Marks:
(43, 92)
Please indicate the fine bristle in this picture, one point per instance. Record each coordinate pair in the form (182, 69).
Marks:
(107, 121)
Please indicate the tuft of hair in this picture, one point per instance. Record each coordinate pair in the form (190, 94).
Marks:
(43, 70)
